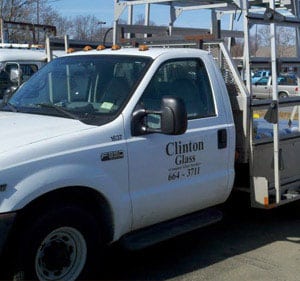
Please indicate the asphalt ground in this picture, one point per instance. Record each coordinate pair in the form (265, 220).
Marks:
(247, 245)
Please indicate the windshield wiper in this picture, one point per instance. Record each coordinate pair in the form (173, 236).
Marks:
(59, 109)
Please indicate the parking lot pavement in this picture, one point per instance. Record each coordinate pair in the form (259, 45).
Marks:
(248, 245)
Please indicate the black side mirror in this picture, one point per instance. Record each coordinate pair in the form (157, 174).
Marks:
(170, 120)
(173, 116)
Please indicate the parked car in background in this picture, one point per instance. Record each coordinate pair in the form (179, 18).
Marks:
(288, 86)
(259, 74)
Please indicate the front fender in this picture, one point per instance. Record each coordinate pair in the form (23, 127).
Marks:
(31, 186)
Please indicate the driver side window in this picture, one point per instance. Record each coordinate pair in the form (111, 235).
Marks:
(186, 79)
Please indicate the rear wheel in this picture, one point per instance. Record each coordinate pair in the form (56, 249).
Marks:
(283, 95)
(58, 245)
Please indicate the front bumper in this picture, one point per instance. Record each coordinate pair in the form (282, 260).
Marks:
(6, 223)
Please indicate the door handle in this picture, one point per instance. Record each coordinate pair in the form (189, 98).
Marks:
(222, 138)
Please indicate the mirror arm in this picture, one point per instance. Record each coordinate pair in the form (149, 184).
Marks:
(138, 128)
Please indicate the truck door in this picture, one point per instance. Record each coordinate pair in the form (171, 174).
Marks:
(175, 175)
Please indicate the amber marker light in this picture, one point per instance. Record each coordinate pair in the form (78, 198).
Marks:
(100, 47)
(87, 48)
(143, 48)
(115, 47)
(70, 50)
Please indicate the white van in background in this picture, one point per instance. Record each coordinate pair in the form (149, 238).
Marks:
(19, 58)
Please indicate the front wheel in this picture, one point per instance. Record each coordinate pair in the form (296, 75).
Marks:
(61, 255)
(58, 245)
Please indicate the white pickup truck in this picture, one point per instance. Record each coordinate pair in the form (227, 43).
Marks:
(288, 86)
(130, 145)
(19, 58)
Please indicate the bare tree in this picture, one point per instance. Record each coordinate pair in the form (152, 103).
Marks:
(63, 25)
(238, 48)
(15, 10)
(285, 37)
(26, 11)
(41, 12)
(140, 20)
(86, 28)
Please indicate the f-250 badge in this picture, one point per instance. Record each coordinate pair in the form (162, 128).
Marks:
(112, 155)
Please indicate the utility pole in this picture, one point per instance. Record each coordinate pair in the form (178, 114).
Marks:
(101, 23)
(38, 18)
(2, 30)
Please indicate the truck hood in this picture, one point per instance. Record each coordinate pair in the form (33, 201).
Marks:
(20, 129)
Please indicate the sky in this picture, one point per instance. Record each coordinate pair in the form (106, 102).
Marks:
(104, 10)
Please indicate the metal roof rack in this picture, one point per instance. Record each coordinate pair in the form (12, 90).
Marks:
(251, 12)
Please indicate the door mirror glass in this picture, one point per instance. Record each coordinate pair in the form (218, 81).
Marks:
(15, 73)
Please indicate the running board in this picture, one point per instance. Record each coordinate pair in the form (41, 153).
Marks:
(159, 232)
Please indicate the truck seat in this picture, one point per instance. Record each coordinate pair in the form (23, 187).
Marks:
(187, 90)
(116, 92)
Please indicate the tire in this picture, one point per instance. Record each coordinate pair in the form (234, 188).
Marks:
(283, 95)
(59, 244)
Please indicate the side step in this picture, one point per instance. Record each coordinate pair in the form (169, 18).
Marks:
(154, 234)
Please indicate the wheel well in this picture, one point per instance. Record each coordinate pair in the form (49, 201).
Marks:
(84, 197)
(283, 92)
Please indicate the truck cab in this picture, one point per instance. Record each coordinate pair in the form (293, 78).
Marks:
(260, 74)
(288, 86)
(144, 137)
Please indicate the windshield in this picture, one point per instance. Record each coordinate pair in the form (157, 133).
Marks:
(258, 74)
(91, 88)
